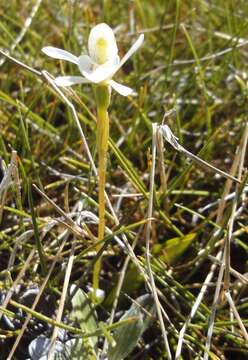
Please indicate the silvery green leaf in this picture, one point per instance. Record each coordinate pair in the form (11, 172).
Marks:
(39, 347)
(78, 351)
(83, 313)
(127, 336)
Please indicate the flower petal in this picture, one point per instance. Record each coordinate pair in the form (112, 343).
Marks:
(70, 80)
(84, 63)
(132, 50)
(121, 89)
(60, 54)
(102, 72)
(102, 44)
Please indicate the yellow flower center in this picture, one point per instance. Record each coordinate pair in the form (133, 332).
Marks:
(101, 42)
(102, 50)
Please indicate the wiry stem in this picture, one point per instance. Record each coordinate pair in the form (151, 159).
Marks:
(102, 98)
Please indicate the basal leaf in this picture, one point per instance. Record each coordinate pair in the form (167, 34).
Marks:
(127, 336)
(83, 313)
(172, 249)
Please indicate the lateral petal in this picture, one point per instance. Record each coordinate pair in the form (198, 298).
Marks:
(70, 80)
(132, 50)
(60, 54)
(84, 63)
(121, 89)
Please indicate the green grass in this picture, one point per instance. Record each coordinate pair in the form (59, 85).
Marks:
(194, 60)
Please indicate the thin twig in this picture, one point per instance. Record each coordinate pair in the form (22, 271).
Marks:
(61, 303)
(19, 63)
(232, 217)
(213, 311)
(148, 235)
(162, 171)
(171, 139)
(5, 184)
(236, 314)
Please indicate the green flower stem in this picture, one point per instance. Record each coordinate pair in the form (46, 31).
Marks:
(103, 100)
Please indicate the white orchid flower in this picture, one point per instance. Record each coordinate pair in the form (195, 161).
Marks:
(102, 62)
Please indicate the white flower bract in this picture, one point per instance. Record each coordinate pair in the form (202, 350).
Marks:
(102, 62)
